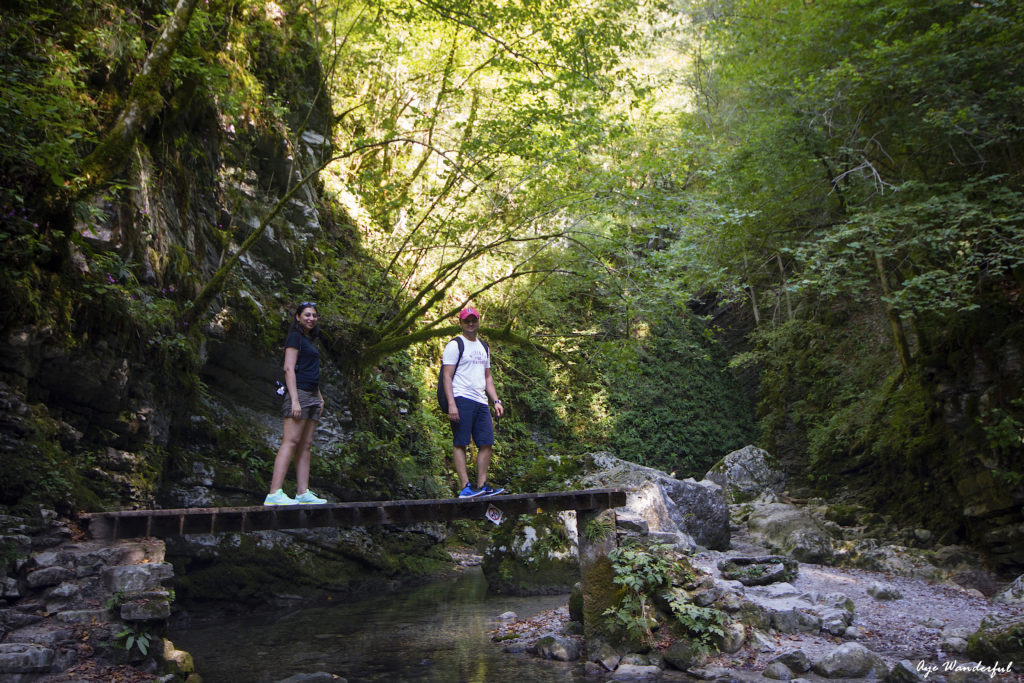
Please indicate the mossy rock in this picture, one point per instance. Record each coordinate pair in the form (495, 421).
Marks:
(576, 603)
(759, 571)
(685, 653)
(997, 641)
(844, 515)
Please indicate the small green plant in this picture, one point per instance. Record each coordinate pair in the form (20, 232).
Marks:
(643, 571)
(135, 636)
(116, 600)
(653, 577)
(634, 615)
(598, 529)
(701, 623)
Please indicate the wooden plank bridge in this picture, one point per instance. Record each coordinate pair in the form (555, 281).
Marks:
(176, 522)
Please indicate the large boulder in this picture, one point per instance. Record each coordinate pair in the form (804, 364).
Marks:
(793, 531)
(746, 474)
(851, 660)
(687, 511)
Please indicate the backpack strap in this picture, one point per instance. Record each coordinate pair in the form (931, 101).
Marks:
(462, 347)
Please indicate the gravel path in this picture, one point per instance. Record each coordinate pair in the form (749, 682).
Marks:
(909, 628)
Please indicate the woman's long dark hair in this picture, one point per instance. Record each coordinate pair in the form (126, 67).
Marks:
(313, 333)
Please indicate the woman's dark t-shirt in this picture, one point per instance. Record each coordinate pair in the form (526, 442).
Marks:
(307, 366)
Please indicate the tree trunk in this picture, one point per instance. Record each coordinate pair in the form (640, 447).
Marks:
(144, 102)
(785, 290)
(902, 348)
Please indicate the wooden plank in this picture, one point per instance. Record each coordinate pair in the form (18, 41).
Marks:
(162, 523)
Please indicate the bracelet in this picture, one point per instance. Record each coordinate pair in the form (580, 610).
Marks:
(497, 401)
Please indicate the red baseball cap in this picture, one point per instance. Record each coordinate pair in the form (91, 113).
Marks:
(466, 312)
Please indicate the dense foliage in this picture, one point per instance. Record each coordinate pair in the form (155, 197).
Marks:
(867, 172)
(846, 173)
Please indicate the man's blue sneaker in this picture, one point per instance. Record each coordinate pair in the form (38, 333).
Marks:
(487, 490)
(470, 492)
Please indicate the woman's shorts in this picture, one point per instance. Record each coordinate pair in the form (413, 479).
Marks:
(310, 403)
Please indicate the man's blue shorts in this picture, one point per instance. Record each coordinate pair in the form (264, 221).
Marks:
(475, 420)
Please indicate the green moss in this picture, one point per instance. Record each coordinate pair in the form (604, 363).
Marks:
(601, 594)
(997, 642)
(844, 515)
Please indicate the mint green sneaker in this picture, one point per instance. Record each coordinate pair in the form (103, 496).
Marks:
(279, 497)
(309, 498)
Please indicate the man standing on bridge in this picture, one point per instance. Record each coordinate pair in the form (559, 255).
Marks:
(467, 384)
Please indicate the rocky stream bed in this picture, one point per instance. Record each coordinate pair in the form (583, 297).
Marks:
(834, 597)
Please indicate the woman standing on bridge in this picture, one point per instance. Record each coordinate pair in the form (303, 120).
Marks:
(303, 406)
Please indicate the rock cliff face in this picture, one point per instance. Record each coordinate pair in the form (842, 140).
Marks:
(115, 403)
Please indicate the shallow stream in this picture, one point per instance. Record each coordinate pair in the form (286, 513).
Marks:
(435, 632)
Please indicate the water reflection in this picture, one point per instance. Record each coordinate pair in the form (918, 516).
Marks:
(437, 632)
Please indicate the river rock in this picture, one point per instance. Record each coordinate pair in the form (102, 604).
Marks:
(318, 677)
(557, 648)
(684, 653)
(51, 576)
(836, 620)
(12, 618)
(904, 671)
(796, 661)
(791, 530)
(760, 570)
(732, 640)
(687, 511)
(746, 474)
(1014, 593)
(601, 652)
(796, 620)
(179, 660)
(851, 660)
(137, 577)
(784, 608)
(45, 635)
(890, 559)
(880, 591)
(634, 672)
(146, 608)
(777, 671)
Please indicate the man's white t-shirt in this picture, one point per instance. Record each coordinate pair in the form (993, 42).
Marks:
(469, 380)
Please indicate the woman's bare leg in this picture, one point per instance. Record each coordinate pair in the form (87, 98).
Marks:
(302, 462)
(291, 440)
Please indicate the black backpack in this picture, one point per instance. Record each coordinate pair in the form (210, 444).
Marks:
(442, 399)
